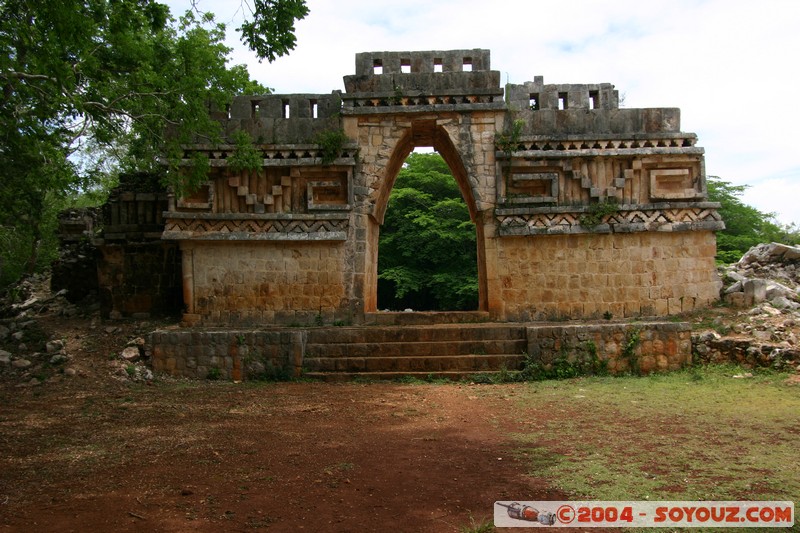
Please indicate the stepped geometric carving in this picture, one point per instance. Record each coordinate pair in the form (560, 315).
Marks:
(631, 175)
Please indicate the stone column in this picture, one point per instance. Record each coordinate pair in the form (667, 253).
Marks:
(187, 267)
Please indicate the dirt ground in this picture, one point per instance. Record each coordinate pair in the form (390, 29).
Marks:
(83, 448)
(94, 452)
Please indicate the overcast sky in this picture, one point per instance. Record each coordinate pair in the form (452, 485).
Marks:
(730, 65)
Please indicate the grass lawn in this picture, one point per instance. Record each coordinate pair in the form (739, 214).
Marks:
(698, 434)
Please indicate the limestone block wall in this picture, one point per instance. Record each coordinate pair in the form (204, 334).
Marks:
(591, 276)
(279, 118)
(139, 279)
(636, 348)
(253, 283)
(229, 355)
(138, 273)
(388, 77)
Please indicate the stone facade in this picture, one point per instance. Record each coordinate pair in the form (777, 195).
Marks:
(639, 348)
(581, 208)
(591, 276)
(266, 282)
(139, 274)
(231, 355)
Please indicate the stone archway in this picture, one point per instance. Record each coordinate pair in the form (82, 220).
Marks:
(422, 133)
(582, 209)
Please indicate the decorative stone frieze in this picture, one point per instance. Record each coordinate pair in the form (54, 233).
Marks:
(581, 208)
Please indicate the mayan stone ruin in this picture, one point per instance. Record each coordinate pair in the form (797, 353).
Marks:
(581, 207)
(583, 210)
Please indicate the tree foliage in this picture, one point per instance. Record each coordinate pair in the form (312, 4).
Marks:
(427, 257)
(270, 31)
(745, 226)
(88, 80)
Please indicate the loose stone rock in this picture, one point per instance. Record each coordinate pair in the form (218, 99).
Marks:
(21, 363)
(54, 346)
(138, 341)
(131, 353)
(58, 358)
(782, 302)
(766, 272)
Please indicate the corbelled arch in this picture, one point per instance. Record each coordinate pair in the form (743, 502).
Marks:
(418, 134)
(582, 209)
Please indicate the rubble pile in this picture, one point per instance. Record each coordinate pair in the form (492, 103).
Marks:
(133, 363)
(765, 286)
(31, 297)
(29, 357)
(766, 273)
(31, 354)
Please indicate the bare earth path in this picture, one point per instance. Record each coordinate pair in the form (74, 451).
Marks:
(94, 454)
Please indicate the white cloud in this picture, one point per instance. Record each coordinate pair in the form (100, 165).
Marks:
(728, 64)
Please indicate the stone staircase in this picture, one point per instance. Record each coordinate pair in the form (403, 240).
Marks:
(452, 351)
(402, 346)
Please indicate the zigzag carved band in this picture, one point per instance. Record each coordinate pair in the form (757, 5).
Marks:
(233, 230)
(685, 219)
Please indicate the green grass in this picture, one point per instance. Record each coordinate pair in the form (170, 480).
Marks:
(477, 526)
(697, 434)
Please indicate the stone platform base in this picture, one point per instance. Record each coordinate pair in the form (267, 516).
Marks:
(439, 350)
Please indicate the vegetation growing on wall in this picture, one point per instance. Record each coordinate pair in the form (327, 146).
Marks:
(331, 144)
(427, 258)
(245, 155)
(509, 140)
(594, 216)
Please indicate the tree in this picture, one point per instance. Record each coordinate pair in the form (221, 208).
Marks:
(427, 257)
(80, 75)
(745, 226)
(270, 32)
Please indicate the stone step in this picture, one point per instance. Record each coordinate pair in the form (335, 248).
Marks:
(424, 318)
(418, 348)
(191, 352)
(409, 334)
(384, 376)
(446, 363)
